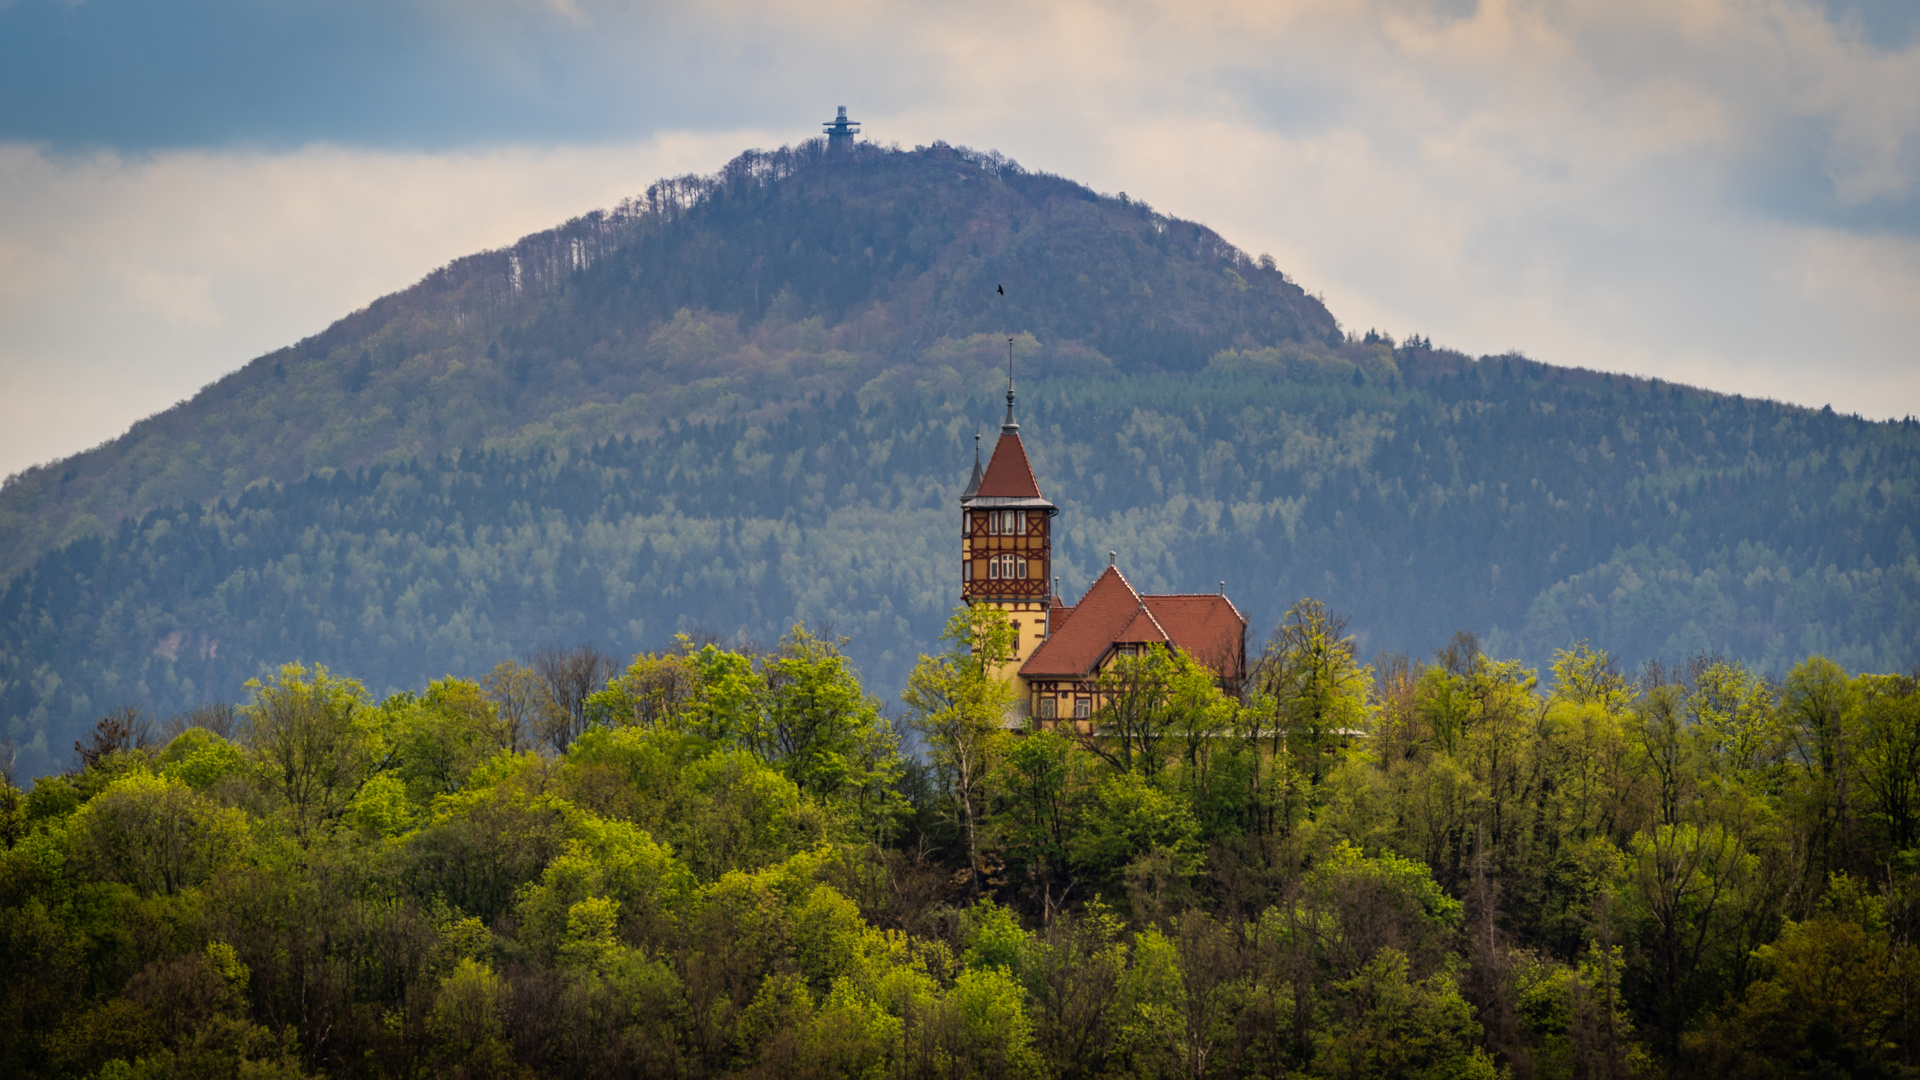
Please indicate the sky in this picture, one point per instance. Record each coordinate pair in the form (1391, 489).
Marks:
(1718, 192)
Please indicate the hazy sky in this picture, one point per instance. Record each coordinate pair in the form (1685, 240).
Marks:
(1712, 191)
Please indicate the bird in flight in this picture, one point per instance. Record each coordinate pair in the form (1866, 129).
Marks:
(1001, 289)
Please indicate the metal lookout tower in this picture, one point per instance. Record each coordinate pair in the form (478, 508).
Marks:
(840, 132)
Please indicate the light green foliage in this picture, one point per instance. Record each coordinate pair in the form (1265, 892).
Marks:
(439, 737)
(1156, 705)
(611, 864)
(744, 814)
(1131, 818)
(823, 730)
(995, 939)
(655, 690)
(466, 1024)
(1351, 905)
(727, 706)
(981, 1029)
(316, 741)
(1035, 812)
(1575, 1017)
(1599, 877)
(1738, 718)
(1393, 1026)
(959, 703)
(200, 759)
(157, 835)
(827, 931)
(382, 807)
(1889, 755)
(1318, 688)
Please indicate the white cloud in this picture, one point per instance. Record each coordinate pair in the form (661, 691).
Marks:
(128, 283)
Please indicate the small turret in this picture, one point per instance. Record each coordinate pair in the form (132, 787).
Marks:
(973, 485)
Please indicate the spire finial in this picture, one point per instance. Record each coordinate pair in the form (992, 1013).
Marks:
(1112, 555)
(1011, 424)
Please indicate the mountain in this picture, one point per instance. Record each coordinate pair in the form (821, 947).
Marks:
(746, 399)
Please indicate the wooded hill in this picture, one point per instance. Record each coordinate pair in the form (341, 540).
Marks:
(747, 400)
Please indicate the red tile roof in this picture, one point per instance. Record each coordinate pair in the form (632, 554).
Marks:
(1143, 630)
(1057, 614)
(1073, 649)
(1206, 625)
(1009, 474)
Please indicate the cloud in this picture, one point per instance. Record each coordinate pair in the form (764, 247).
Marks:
(1721, 191)
(127, 282)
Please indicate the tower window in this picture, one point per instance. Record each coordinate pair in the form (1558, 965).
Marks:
(1022, 525)
(966, 570)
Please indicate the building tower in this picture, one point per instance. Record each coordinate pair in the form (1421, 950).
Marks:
(1006, 538)
(840, 132)
(1006, 560)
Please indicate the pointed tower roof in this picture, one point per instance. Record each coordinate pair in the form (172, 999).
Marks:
(1009, 474)
(1008, 480)
(973, 484)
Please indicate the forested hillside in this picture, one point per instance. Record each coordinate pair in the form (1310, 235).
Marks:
(824, 275)
(749, 400)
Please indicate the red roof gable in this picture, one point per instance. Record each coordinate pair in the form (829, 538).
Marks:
(1143, 630)
(1009, 475)
(1205, 625)
(1109, 607)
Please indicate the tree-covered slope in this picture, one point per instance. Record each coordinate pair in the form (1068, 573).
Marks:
(864, 262)
(750, 400)
(1536, 505)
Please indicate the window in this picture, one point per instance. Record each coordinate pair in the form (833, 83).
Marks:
(1022, 567)
(1021, 525)
(1046, 706)
(993, 569)
(1082, 708)
(966, 570)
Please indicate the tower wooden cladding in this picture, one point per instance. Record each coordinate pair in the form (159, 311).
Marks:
(1006, 538)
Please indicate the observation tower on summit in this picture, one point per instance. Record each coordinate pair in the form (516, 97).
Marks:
(840, 132)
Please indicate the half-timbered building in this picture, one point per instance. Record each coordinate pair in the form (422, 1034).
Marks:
(1006, 560)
